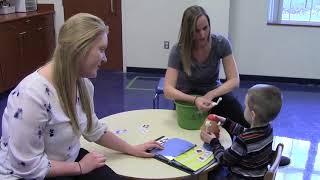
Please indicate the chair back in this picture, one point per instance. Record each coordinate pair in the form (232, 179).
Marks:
(272, 171)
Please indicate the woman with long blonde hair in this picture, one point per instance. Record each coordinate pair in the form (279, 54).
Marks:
(51, 108)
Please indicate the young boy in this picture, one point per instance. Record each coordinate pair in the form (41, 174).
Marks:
(251, 150)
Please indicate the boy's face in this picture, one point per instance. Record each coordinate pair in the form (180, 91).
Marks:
(248, 114)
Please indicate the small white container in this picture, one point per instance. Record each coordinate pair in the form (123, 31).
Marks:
(7, 10)
(25, 5)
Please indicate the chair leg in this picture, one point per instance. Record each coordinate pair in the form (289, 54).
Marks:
(154, 100)
(158, 101)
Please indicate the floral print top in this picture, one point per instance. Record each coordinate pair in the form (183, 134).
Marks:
(36, 130)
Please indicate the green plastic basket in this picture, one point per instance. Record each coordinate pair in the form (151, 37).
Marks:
(189, 117)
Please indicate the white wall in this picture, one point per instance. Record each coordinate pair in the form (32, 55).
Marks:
(218, 11)
(147, 23)
(260, 49)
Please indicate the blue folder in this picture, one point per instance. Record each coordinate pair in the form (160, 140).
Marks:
(174, 147)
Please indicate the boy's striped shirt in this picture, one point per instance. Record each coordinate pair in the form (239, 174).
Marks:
(250, 152)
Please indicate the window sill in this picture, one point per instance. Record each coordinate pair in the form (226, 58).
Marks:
(295, 23)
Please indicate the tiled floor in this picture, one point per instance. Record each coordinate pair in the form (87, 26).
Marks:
(297, 126)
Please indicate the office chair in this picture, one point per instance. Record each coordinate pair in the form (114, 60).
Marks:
(272, 171)
(158, 92)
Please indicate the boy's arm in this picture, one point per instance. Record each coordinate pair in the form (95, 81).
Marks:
(230, 156)
(233, 128)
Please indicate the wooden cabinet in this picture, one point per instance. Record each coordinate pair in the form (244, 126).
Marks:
(26, 43)
(1, 81)
(9, 56)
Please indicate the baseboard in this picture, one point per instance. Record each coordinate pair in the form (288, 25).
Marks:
(242, 76)
(146, 70)
(278, 79)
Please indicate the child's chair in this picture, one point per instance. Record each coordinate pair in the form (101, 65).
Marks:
(158, 91)
(272, 171)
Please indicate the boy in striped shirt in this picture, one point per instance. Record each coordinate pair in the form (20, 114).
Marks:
(251, 149)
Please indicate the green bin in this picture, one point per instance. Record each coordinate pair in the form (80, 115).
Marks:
(189, 117)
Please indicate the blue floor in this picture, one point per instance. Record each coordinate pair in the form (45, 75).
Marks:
(297, 126)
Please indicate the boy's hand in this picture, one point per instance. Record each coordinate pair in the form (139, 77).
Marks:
(206, 136)
(216, 118)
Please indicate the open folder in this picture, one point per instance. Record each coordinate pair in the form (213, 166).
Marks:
(183, 155)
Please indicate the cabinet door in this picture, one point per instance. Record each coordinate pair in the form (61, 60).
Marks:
(43, 39)
(28, 54)
(2, 87)
(9, 55)
(45, 36)
(36, 44)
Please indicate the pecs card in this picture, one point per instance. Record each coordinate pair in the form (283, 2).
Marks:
(144, 129)
(120, 131)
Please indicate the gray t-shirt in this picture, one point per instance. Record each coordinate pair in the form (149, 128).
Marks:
(204, 76)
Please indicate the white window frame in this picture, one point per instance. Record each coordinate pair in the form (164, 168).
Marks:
(275, 16)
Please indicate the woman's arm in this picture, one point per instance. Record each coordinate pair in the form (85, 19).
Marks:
(60, 168)
(232, 78)
(88, 163)
(112, 141)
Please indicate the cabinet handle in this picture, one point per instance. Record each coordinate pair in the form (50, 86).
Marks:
(112, 8)
(28, 20)
(40, 28)
(22, 33)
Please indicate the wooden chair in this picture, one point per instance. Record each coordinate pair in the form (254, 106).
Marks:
(272, 171)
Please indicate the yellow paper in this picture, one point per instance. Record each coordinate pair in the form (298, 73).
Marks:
(195, 158)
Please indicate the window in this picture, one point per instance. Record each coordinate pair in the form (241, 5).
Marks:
(296, 12)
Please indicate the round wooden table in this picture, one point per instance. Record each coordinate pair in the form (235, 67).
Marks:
(161, 123)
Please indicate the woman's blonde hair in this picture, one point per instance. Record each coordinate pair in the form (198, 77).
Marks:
(187, 29)
(75, 39)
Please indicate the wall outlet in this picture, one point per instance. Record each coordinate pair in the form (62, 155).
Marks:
(166, 44)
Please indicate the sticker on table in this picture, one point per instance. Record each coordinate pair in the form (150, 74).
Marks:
(120, 131)
(144, 128)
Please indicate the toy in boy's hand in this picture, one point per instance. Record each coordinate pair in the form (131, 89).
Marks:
(211, 125)
(216, 103)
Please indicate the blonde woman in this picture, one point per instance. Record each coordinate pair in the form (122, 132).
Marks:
(193, 68)
(51, 108)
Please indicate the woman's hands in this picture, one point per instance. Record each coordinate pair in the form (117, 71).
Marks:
(91, 161)
(203, 104)
(140, 150)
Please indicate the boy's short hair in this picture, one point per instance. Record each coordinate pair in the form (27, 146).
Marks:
(265, 100)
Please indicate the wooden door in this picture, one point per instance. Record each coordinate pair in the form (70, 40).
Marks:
(110, 12)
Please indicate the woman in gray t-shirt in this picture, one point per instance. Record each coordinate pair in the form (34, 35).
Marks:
(193, 68)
